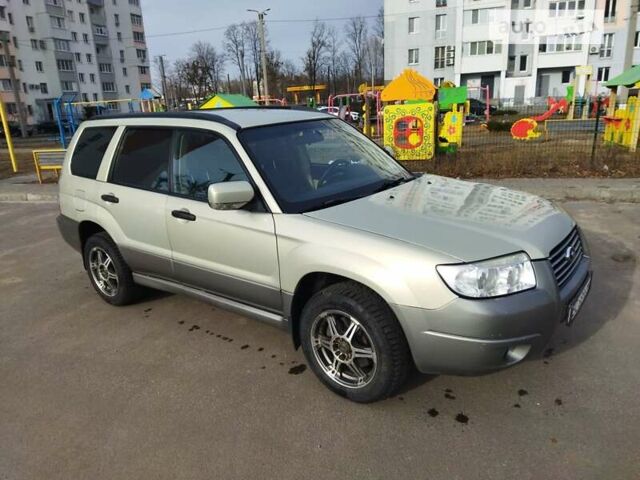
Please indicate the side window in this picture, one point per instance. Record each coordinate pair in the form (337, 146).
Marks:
(203, 158)
(143, 159)
(90, 148)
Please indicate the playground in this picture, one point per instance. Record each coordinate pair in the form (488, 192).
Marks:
(429, 128)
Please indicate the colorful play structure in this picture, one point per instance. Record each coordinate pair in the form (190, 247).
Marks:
(526, 128)
(622, 125)
(413, 107)
(227, 100)
(312, 92)
(69, 113)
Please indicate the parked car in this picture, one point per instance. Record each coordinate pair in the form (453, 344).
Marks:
(353, 116)
(479, 108)
(298, 220)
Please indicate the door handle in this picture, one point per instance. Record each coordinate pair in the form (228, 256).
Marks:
(184, 215)
(110, 198)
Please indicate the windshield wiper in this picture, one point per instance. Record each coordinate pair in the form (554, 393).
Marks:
(393, 183)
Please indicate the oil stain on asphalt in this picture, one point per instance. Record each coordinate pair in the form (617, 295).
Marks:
(462, 418)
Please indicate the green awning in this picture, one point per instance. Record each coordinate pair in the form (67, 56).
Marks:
(627, 78)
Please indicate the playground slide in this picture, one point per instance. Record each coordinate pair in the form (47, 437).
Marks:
(525, 128)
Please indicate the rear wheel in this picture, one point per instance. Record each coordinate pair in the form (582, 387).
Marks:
(108, 272)
(354, 343)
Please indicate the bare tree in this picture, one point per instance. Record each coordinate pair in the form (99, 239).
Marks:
(333, 52)
(356, 37)
(253, 42)
(315, 56)
(235, 43)
(210, 63)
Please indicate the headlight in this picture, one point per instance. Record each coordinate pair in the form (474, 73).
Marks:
(490, 278)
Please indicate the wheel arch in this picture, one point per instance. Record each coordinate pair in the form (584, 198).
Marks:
(86, 229)
(309, 285)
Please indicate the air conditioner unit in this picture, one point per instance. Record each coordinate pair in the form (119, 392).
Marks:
(594, 50)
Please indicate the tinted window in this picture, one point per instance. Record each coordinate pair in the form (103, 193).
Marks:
(90, 148)
(143, 159)
(203, 158)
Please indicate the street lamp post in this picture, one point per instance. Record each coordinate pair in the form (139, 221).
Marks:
(263, 50)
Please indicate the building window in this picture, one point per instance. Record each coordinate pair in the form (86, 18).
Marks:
(105, 68)
(3, 12)
(145, 86)
(95, 97)
(485, 47)
(92, 77)
(78, 57)
(108, 87)
(566, 76)
(57, 22)
(6, 84)
(135, 3)
(68, 86)
(82, 18)
(142, 70)
(414, 56)
(560, 43)
(71, 16)
(15, 43)
(441, 26)
(437, 81)
(124, 71)
(569, 8)
(606, 48)
(89, 58)
(85, 38)
(603, 74)
(481, 16)
(527, 4)
(30, 24)
(44, 88)
(441, 3)
(74, 36)
(119, 35)
(138, 37)
(10, 18)
(116, 19)
(141, 54)
(136, 19)
(39, 67)
(413, 24)
(610, 11)
(81, 77)
(34, 44)
(127, 89)
(65, 65)
(100, 30)
(13, 59)
(85, 97)
(523, 63)
(61, 45)
(121, 56)
(439, 57)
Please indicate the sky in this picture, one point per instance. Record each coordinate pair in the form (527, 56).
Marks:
(163, 18)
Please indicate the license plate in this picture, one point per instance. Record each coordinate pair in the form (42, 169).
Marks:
(578, 300)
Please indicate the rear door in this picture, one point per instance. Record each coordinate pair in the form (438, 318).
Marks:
(136, 197)
(229, 252)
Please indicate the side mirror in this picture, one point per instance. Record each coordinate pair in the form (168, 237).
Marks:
(229, 195)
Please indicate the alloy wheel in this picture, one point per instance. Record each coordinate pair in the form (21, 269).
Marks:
(103, 271)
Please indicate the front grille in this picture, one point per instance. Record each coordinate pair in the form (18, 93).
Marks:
(564, 264)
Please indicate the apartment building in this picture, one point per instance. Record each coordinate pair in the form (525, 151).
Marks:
(522, 50)
(88, 50)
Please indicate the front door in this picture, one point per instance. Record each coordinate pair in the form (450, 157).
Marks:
(232, 253)
(136, 195)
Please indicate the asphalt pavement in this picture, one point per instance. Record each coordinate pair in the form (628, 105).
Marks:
(174, 388)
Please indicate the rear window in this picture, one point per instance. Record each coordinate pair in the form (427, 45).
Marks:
(143, 159)
(90, 148)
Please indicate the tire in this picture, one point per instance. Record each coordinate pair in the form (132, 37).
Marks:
(369, 366)
(116, 274)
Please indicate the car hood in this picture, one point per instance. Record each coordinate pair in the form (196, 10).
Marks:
(465, 220)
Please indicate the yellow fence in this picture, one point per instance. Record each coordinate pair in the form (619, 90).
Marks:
(49, 159)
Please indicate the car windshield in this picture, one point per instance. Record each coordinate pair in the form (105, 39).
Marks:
(315, 164)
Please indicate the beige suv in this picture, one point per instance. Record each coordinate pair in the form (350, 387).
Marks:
(295, 218)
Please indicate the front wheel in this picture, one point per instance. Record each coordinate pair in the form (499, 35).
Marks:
(354, 343)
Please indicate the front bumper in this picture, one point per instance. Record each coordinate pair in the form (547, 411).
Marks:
(474, 336)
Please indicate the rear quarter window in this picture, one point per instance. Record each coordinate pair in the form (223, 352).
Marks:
(90, 148)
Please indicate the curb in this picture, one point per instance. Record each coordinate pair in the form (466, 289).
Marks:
(18, 197)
